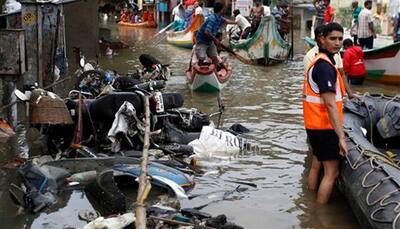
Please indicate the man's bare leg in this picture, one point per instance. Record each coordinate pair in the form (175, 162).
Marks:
(217, 64)
(331, 172)
(313, 176)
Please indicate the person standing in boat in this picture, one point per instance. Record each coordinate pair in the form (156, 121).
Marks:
(267, 9)
(366, 32)
(323, 91)
(312, 53)
(353, 64)
(284, 21)
(329, 14)
(178, 14)
(206, 41)
(256, 13)
(354, 27)
(396, 27)
(243, 24)
(320, 7)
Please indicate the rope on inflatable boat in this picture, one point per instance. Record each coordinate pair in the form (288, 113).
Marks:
(373, 159)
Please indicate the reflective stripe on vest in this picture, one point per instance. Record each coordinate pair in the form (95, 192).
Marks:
(314, 109)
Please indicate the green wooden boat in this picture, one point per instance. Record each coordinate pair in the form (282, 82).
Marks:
(383, 64)
(265, 46)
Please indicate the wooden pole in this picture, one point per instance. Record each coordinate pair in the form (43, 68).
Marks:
(12, 117)
(78, 130)
(291, 29)
(144, 183)
(39, 62)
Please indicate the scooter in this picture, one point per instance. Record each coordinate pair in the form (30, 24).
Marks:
(91, 79)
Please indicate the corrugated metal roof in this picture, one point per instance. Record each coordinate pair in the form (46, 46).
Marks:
(15, 12)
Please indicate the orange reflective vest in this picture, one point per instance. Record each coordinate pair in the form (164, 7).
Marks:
(315, 111)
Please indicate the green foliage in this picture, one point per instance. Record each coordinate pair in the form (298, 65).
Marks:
(344, 16)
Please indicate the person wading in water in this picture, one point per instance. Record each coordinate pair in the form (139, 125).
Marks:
(323, 92)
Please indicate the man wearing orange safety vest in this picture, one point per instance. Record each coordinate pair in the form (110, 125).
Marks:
(323, 92)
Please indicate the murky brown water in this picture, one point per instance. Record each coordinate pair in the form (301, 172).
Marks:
(264, 99)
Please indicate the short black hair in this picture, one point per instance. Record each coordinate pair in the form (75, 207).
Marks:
(333, 26)
(366, 2)
(218, 6)
(347, 42)
(318, 31)
(236, 12)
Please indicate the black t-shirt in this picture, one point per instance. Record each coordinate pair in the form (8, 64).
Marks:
(324, 75)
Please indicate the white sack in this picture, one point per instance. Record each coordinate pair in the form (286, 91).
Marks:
(215, 143)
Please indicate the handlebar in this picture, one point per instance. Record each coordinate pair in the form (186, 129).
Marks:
(150, 86)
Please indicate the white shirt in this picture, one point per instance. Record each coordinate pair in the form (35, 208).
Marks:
(177, 14)
(364, 18)
(242, 22)
(267, 11)
(314, 51)
(198, 11)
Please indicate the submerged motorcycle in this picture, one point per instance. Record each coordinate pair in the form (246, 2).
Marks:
(91, 79)
(175, 125)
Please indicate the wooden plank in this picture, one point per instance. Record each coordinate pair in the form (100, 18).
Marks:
(22, 56)
(10, 42)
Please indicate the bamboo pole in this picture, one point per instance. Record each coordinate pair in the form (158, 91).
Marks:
(144, 183)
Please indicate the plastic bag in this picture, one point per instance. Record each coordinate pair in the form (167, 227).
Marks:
(214, 143)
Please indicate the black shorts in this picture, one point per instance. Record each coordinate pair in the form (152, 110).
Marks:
(325, 144)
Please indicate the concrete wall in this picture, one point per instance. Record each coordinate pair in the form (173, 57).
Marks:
(302, 17)
(81, 30)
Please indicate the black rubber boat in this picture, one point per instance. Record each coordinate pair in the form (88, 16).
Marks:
(370, 174)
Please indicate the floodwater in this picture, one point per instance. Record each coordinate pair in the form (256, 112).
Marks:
(267, 100)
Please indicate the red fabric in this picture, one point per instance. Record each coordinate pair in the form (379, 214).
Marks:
(189, 3)
(329, 12)
(353, 63)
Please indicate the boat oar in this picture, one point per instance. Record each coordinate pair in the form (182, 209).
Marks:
(235, 54)
(157, 41)
(163, 30)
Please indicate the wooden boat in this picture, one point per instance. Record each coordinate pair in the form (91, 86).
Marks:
(383, 64)
(205, 78)
(147, 24)
(181, 39)
(265, 46)
(184, 39)
(370, 174)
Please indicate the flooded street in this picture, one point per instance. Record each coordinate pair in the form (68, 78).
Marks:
(266, 100)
